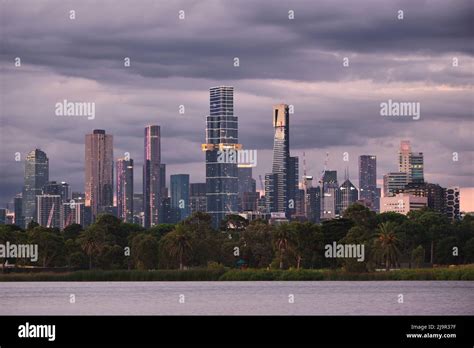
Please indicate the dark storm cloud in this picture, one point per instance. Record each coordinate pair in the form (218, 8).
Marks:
(259, 33)
(296, 61)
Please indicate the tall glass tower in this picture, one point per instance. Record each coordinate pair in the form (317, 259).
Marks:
(99, 171)
(329, 194)
(221, 135)
(416, 167)
(368, 180)
(124, 189)
(284, 169)
(152, 176)
(179, 184)
(36, 176)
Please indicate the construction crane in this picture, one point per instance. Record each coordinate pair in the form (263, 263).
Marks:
(50, 217)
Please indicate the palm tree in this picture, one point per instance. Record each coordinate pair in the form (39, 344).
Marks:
(92, 240)
(283, 239)
(386, 244)
(178, 244)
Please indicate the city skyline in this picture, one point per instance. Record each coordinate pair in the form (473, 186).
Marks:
(336, 107)
(131, 169)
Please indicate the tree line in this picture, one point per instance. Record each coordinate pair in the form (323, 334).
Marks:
(390, 240)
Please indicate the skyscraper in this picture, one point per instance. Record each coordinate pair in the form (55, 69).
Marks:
(179, 184)
(3, 216)
(292, 189)
(313, 202)
(368, 180)
(348, 194)
(36, 176)
(404, 156)
(163, 178)
(281, 182)
(452, 203)
(124, 182)
(221, 135)
(55, 188)
(49, 210)
(151, 175)
(392, 182)
(247, 187)
(410, 162)
(271, 192)
(197, 198)
(164, 193)
(329, 194)
(416, 167)
(246, 182)
(18, 208)
(99, 171)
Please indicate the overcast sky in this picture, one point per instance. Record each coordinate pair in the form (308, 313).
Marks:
(296, 61)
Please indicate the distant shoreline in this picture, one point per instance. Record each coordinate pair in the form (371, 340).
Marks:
(465, 272)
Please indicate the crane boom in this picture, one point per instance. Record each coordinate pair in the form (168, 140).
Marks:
(50, 217)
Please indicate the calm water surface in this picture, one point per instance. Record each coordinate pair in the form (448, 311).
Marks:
(238, 298)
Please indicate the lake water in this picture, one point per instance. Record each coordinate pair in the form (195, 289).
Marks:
(238, 298)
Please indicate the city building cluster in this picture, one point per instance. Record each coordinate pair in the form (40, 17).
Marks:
(229, 188)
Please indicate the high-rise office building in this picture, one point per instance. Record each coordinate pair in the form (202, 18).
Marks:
(151, 176)
(247, 188)
(249, 201)
(348, 194)
(404, 156)
(393, 182)
(124, 189)
(292, 189)
(435, 194)
(277, 182)
(163, 191)
(453, 203)
(99, 171)
(197, 197)
(72, 213)
(313, 203)
(410, 162)
(36, 176)
(281, 185)
(311, 200)
(246, 182)
(3, 216)
(329, 194)
(55, 188)
(18, 209)
(221, 135)
(170, 215)
(65, 191)
(179, 185)
(197, 189)
(137, 203)
(416, 167)
(368, 180)
(80, 198)
(162, 177)
(271, 192)
(49, 210)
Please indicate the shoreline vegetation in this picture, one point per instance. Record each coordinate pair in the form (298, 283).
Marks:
(462, 272)
(351, 247)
